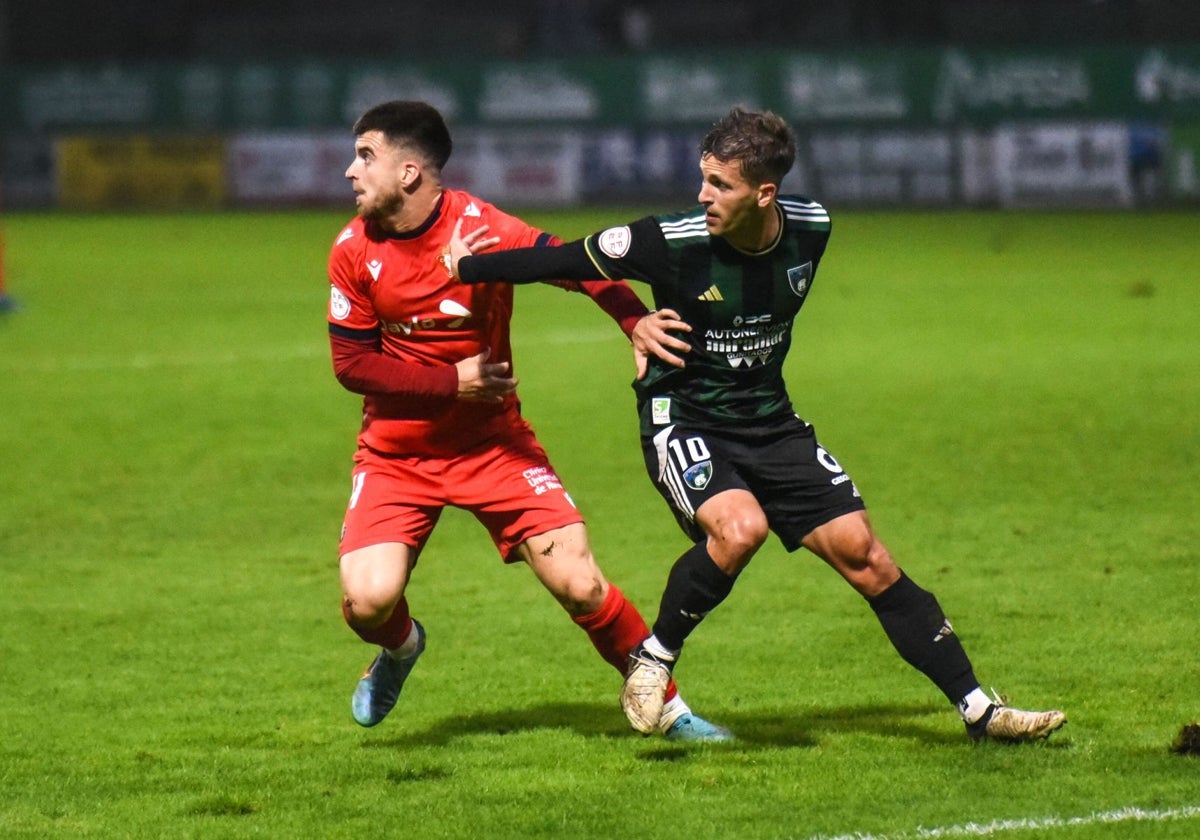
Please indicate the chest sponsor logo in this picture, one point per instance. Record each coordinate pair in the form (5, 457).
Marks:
(457, 313)
(750, 341)
(375, 266)
(799, 278)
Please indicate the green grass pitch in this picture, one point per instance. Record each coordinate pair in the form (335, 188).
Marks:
(1016, 394)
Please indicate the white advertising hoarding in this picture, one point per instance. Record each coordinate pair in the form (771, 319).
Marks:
(1063, 165)
(290, 168)
(540, 167)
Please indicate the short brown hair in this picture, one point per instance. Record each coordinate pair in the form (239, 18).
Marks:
(761, 141)
(416, 125)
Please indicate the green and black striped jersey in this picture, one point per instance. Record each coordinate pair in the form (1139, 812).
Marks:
(740, 305)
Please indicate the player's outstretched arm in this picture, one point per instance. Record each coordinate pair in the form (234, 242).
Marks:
(519, 265)
(650, 334)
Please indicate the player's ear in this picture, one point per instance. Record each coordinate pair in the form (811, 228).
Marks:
(410, 174)
(766, 194)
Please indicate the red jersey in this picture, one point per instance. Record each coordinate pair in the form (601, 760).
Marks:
(391, 295)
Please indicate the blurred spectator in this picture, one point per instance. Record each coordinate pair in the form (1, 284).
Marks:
(1146, 161)
(636, 27)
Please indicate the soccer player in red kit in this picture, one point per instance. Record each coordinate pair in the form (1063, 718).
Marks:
(441, 419)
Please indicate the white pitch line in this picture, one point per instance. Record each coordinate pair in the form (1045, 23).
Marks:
(991, 829)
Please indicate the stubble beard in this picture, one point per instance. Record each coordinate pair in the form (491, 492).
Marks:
(384, 207)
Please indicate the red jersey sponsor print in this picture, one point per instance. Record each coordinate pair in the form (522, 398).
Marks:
(398, 285)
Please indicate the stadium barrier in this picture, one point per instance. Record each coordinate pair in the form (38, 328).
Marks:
(938, 127)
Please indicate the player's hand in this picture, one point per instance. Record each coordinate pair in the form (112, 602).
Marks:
(479, 381)
(461, 245)
(652, 336)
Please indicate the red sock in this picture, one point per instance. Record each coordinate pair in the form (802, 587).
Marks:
(391, 634)
(616, 629)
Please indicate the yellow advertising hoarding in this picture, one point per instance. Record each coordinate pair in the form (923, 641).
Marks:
(141, 171)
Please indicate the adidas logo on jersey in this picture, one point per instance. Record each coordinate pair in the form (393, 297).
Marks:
(712, 295)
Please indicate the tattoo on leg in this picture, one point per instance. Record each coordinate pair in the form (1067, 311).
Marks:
(548, 550)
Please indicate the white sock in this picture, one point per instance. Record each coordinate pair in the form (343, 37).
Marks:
(655, 648)
(409, 646)
(974, 705)
(672, 711)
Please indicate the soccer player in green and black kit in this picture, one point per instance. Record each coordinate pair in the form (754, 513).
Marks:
(720, 438)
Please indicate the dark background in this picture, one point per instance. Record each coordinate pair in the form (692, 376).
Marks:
(40, 32)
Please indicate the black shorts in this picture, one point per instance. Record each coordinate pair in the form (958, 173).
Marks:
(798, 483)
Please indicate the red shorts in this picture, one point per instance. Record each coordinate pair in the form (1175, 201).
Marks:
(508, 484)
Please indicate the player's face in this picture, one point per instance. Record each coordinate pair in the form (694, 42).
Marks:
(377, 175)
(732, 205)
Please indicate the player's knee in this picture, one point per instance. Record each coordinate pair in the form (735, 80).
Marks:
(373, 582)
(581, 594)
(363, 612)
(867, 563)
(742, 534)
(861, 550)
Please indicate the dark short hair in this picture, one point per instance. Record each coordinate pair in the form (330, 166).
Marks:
(761, 141)
(416, 125)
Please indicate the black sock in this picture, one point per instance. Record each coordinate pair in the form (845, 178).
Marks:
(918, 629)
(694, 588)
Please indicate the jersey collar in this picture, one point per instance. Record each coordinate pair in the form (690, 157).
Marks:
(773, 243)
(425, 225)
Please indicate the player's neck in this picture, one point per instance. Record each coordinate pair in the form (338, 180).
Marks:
(760, 236)
(415, 211)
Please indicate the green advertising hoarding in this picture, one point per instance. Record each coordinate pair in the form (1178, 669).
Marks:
(931, 87)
